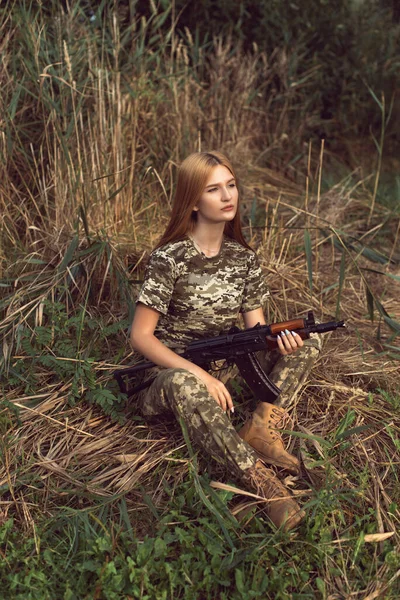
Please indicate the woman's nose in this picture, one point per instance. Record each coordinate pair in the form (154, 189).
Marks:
(226, 194)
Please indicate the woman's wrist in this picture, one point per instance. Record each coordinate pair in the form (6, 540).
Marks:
(196, 370)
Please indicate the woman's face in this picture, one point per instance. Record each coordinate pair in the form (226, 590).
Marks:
(219, 200)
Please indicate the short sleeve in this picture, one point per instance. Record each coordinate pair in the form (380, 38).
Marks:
(255, 290)
(159, 282)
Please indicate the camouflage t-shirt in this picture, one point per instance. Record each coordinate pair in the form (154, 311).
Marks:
(199, 296)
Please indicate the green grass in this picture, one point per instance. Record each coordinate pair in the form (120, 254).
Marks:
(95, 553)
(95, 118)
(186, 544)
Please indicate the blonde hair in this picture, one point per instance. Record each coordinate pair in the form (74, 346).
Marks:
(193, 174)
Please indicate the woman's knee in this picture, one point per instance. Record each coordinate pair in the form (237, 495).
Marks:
(182, 380)
(183, 392)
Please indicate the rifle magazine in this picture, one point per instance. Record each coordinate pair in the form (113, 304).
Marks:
(257, 380)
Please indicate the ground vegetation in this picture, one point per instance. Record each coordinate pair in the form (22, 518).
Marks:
(97, 108)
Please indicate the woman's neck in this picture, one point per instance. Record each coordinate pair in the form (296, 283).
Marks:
(208, 235)
(209, 239)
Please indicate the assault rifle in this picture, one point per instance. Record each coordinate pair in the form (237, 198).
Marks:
(237, 346)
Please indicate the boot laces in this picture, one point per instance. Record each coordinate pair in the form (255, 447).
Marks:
(267, 483)
(281, 420)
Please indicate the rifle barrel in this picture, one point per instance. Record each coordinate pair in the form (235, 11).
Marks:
(325, 327)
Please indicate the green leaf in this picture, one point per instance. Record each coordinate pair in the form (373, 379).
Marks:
(320, 585)
(60, 136)
(374, 256)
(82, 214)
(239, 581)
(328, 288)
(370, 302)
(116, 191)
(34, 261)
(379, 103)
(14, 102)
(69, 253)
(381, 309)
(348, 432)
(377, 145)
(397, 348)
(159, 20)
(359, 544)
(344, 424)
(97, 247)
(395, 277)
(306, 436)
(394, 325)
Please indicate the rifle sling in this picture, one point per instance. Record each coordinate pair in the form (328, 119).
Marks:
(140, 387)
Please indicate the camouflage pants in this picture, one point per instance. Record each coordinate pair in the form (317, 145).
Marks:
(208, 426)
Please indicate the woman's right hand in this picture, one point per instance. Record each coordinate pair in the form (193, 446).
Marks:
(217, 390)
(143, 339)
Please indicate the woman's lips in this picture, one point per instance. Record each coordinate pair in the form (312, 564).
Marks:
(230, 207)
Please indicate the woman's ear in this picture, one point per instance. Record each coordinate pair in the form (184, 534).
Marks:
(195, 208)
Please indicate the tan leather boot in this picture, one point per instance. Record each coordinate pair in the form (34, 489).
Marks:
(281, 507)
(261, 431)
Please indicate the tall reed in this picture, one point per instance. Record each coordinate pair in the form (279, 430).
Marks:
(96, 116)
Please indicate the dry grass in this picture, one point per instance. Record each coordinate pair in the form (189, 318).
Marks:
(82, 448)
(107, 153)
(68, 455)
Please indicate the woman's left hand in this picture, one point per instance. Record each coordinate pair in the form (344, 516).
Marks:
(289, 342)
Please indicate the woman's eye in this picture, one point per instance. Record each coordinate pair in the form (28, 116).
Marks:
(212, 189)
(232, 185)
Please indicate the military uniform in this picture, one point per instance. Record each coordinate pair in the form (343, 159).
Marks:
(198, 297)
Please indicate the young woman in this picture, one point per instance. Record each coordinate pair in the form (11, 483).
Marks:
(199, 278)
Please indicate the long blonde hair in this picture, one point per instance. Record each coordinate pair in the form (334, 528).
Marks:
(192, 178)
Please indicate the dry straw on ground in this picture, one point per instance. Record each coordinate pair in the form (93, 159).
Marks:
(68, 452)
(102, 163)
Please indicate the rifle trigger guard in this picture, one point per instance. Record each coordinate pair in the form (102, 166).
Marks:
(226, 363)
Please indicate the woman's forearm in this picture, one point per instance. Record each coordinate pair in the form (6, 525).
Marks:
(161, 355)
(153, 349)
